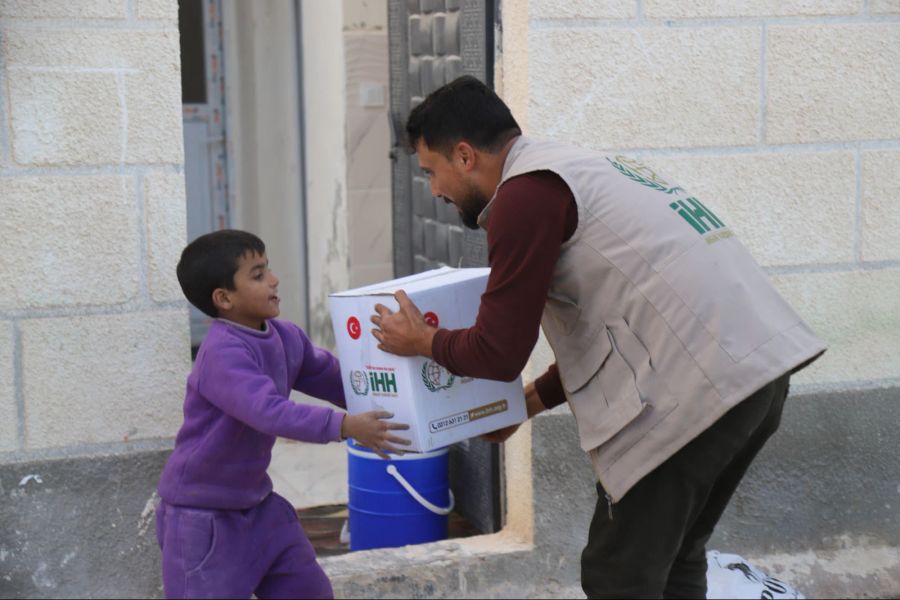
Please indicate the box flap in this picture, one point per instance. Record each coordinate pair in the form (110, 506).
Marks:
(413, 283)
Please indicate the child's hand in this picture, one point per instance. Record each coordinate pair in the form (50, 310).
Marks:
(370, 430)
(501, 435)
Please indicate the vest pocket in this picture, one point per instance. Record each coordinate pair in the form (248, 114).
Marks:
(602, 392)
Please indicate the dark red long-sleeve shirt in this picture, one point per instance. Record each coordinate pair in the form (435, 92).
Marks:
(532, 215)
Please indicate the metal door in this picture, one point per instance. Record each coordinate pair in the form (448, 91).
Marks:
(433, 42)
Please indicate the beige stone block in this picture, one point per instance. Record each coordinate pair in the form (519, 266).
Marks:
(9, 412)
(104, 378)
(366, 15)
(788, 209)
(858, 314)
(881, 205)
(833, 83)
(164, 203)
(63, 9)
(884, 7)
(67, 241)
(646, 87)
(679, 9)
(581, 9)
(147, 103)
(155, 128)
(370, 233)
(93, 48)
(166, 10)
(65, 118)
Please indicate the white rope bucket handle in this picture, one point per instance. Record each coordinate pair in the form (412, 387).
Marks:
(393, 472)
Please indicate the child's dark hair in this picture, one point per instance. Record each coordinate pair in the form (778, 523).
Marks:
(210, 262)
(464, 109)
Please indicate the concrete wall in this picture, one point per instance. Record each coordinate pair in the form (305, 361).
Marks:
(94, 337)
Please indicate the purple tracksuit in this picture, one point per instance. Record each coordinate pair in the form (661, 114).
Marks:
(222, 531)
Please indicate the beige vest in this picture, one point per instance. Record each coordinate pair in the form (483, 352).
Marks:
(659, 318)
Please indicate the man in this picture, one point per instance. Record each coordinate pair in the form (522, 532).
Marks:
(672, 347)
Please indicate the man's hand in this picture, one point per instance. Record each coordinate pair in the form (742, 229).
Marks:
(370, 430)
(405, 332)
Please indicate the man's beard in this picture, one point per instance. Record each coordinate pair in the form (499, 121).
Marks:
(470, 207)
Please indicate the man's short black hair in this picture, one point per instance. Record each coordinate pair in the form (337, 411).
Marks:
(210, 262)
(463, 110)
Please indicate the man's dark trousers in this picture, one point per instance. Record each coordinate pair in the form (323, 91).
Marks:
(652, 543)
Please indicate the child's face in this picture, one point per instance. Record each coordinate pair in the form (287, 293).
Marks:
(255, 295)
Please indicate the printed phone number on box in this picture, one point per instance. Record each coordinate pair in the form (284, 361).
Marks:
(462, 418)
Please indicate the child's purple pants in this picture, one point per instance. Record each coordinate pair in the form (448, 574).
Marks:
(236, 553)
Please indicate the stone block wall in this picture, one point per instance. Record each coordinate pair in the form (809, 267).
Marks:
(782, 115)
(94, 334)
(785, 116)
(94, 339)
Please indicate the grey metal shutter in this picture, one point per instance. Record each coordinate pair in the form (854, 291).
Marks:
(433, 42)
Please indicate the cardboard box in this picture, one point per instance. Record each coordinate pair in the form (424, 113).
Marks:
(439, 407)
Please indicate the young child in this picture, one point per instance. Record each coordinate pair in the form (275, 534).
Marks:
(223, 532)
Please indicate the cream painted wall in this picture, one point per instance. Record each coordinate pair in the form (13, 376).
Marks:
(262, 106)
(326, 160)
(347, 175)
(367, 92)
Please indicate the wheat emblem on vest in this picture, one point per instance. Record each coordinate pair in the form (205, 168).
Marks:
(642, 174)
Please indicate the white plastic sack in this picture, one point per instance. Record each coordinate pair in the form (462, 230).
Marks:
(730, 576)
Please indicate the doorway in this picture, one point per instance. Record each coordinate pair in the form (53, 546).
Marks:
(432, 43)
(203, 115)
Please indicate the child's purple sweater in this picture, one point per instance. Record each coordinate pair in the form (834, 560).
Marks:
(237, 403)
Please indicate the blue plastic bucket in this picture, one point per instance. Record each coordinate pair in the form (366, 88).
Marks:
(397, 502)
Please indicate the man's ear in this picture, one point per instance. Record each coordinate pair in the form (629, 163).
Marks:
(221, 299)
(465, 153)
